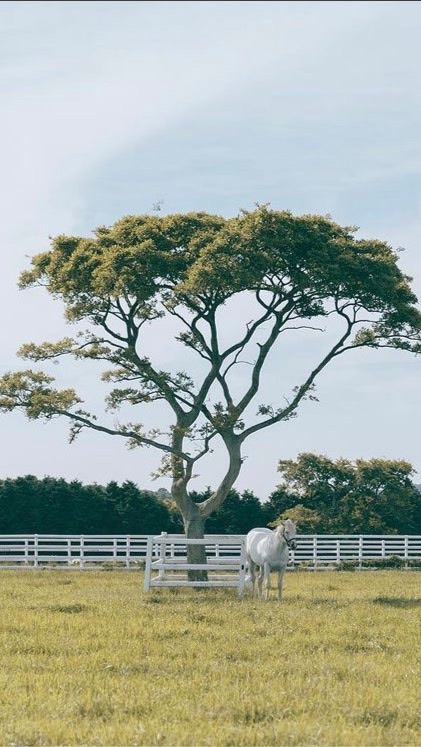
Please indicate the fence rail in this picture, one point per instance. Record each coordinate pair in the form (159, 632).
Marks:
(167, 562)
(129, 551)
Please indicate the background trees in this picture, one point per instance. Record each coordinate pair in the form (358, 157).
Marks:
(323, 495)
(53, 506)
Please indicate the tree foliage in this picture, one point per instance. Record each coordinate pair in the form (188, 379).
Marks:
(29, 505)
(323, 495)
(296, 271)
(380, 497)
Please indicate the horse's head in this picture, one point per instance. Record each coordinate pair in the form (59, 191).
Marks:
(288, 530)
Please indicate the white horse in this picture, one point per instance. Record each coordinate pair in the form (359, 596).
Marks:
(269, 550)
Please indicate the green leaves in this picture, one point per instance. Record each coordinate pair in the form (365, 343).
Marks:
(195, 259)
(47, 350)
(365, 496)
(30, 391)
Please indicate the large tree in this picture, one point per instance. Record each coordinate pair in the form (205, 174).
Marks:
(296, 272)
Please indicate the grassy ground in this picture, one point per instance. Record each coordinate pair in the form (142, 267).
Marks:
(88, 659)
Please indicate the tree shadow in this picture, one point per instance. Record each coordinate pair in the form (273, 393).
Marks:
(398, 602)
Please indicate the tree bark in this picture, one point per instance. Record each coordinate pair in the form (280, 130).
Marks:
(233, 445)
(194, 527)
(194, 515)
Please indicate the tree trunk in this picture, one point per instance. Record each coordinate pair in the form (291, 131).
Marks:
(194, 517)
(194, 527)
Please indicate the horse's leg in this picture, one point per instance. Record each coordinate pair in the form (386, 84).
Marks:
(280, 581)
(252, 569)
(268, 580)
(260, 581)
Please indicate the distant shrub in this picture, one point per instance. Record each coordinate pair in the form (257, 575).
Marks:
(112, 565)
(347, 565)
(391, 561)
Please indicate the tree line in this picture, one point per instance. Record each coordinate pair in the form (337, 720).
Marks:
(376, 496)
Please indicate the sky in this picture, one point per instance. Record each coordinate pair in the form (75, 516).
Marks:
(109, 108)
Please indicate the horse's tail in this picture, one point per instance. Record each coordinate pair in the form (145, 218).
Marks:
(248, 580)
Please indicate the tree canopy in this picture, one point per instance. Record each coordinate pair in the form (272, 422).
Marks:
(327, 496)
(296, 271)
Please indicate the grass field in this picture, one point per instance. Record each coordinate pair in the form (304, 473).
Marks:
(88, 659)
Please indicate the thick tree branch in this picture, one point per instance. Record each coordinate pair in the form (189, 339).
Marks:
(141, 440)
(211, 504)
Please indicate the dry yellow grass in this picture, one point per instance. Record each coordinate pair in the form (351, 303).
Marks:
(88, 659)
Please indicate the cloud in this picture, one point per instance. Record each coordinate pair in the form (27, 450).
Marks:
(83, 81)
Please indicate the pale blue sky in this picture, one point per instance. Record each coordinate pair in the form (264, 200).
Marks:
(109, 107)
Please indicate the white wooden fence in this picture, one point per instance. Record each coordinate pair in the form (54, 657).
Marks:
(129, 551)
(170, 565)
(71, 551)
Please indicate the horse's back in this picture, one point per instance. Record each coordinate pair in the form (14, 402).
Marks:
(252, 540)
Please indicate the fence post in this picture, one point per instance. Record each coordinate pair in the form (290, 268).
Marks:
(383, 548)
(315, 551)
(338, 551)
(242, 570)
(148, 564)
(360, 551)
(69, 552)
(82, 550)
(292, 559)
(406, 553)
(26, 552)
(128, 552)
(35, 550)
(163, 554)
